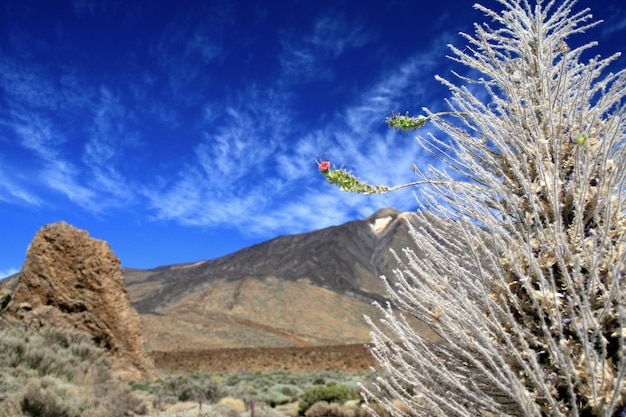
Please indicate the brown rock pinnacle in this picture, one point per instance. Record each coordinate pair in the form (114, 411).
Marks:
(70, 279)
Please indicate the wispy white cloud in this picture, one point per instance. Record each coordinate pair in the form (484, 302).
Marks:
(4, 273)
(247, 158)
(87, 7)
(104, 151)
(614, 23)
(187, 46)
(37, 135)
(309, 56)
(64, 178)
(233, 170)
(12, 192)
(315, 209)
(55, 167)
(205, 48)
(47, 123)
(333, 33)
(254, 169)
(28, 85)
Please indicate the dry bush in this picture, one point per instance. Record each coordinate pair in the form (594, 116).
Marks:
(326, 409)
(191, 388)
(523, 278)
(60, 372)
(233, 404)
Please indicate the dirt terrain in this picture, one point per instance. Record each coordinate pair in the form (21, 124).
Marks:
(354, 357)
(294, 303)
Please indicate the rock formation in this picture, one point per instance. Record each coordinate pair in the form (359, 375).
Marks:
(70, 279)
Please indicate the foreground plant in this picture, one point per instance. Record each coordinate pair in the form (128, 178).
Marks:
(523, 274)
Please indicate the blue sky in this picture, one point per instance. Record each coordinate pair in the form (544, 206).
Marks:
(181, 131)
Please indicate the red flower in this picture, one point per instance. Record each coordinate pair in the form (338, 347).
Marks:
(324, 166)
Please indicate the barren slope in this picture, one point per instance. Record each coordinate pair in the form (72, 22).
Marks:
(310, 289)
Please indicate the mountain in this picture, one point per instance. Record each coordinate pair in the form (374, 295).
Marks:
(309, 289)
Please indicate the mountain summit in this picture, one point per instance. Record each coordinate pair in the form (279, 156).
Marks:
(299, 290)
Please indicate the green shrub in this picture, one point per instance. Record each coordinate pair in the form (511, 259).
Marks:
(334, 393)
(279, 394)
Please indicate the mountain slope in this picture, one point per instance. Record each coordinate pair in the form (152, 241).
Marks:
(299, 290)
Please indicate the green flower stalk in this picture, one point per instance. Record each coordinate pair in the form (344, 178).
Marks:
(406, 122)
(346, 181)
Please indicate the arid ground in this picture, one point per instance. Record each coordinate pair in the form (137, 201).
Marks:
(354, 357)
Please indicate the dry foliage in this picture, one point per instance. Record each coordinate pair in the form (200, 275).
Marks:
(527, 296)
(59, 372)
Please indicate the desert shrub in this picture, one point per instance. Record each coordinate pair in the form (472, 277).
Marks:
(326, 409)
(191, 387)
(233, 403)
(53, 351)
(9, 407)
(140, 385)
(269, 391)
(60, 372)
(279, 394)
(319, 381)
(233, 379)
(185, 389)
(118, 399)
(333, 393)
(323, 409)
(42, 398)
(52, 397)
(212, 391)
(220, 411)
(521, 270)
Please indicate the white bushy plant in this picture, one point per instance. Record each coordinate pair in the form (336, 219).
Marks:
(523, 232)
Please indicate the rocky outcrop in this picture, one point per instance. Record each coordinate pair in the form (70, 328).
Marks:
(72, 280)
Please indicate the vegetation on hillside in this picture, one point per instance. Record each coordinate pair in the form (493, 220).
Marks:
(59, 373)
(273, 394)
